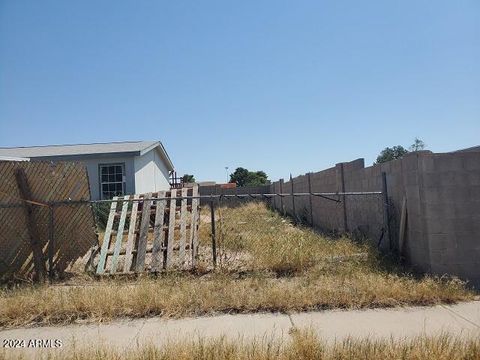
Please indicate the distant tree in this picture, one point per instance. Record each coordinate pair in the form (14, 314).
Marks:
(417, 145)
(188, 178)
(399, 151)
(239, 176)
(243, 177)
(257, 178)
(393, 153)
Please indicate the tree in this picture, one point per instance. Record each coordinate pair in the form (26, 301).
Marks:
(393, 153)
(417, 145)
(188, 178)
(399, 151)
(243, 177)
(257, 178)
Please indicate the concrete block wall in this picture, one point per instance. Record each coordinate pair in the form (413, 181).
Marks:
(218, 190)
(410, 186)
(326, 214)
(442, 193)
(364, 214)
(451, 204)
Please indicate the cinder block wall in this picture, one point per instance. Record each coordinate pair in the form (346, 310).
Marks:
(450, 201)
(326, 214)
(442, 193)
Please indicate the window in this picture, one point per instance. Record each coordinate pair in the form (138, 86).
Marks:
(112, 180)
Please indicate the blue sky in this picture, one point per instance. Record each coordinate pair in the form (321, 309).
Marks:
(279, 86)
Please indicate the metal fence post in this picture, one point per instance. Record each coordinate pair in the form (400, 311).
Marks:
(272, 191)
(310, 197)
(281, 197)
(386, 211)
(272, 199)
(344, 198)
(214, 239)
(293, 200)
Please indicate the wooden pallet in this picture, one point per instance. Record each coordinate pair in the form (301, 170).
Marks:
(159, 236)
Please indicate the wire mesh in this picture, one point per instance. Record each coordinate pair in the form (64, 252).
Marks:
(28, 190)
(360, 215)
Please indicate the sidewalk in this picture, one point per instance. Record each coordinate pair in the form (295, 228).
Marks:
(462, 319)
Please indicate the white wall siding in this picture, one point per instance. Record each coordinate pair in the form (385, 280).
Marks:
(162, 176)
(94, 176)
(151, 174)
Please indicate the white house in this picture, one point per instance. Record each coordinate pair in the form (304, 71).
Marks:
(118, 168)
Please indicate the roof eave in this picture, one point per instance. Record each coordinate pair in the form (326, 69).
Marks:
(158, 145)
(88, 156)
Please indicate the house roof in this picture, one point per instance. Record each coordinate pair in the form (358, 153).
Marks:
(131, 147)
(470, 149)
(12, 158)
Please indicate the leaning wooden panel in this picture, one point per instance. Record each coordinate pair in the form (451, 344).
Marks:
(118, 241)
(107, 237)
(12, 226)
(74, 232)
(32, 224)
(72, 222)
(183, 227)
(158, 233)
(143, 238)
(193, 228)
(171, 228)
(15, 245)
(127, 265)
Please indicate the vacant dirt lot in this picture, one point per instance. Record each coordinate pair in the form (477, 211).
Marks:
(264, 264)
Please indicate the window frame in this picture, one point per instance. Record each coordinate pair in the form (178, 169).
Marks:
(101, 183)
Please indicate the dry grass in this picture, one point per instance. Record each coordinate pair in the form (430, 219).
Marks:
(304, 345)
(266, 265)
(275, 244)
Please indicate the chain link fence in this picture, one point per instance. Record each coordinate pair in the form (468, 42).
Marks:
(223, 235)
(359, 215)
(35, 235)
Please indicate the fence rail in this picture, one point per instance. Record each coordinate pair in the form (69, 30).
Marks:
(211, 197)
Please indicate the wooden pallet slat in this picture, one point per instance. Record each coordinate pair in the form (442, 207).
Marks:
(143, 238)
(183, 227)
(118, 242)
(106, 238)
(153, 210)
(127, 265)
(158, 233)
(193, 229)
(150, 230)
(160, 218)
(171, 229)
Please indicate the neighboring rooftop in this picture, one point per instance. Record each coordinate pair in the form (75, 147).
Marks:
(132, 147)
(12, 158)
(470, 149)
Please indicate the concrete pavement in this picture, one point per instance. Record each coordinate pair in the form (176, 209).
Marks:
(334, 325)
